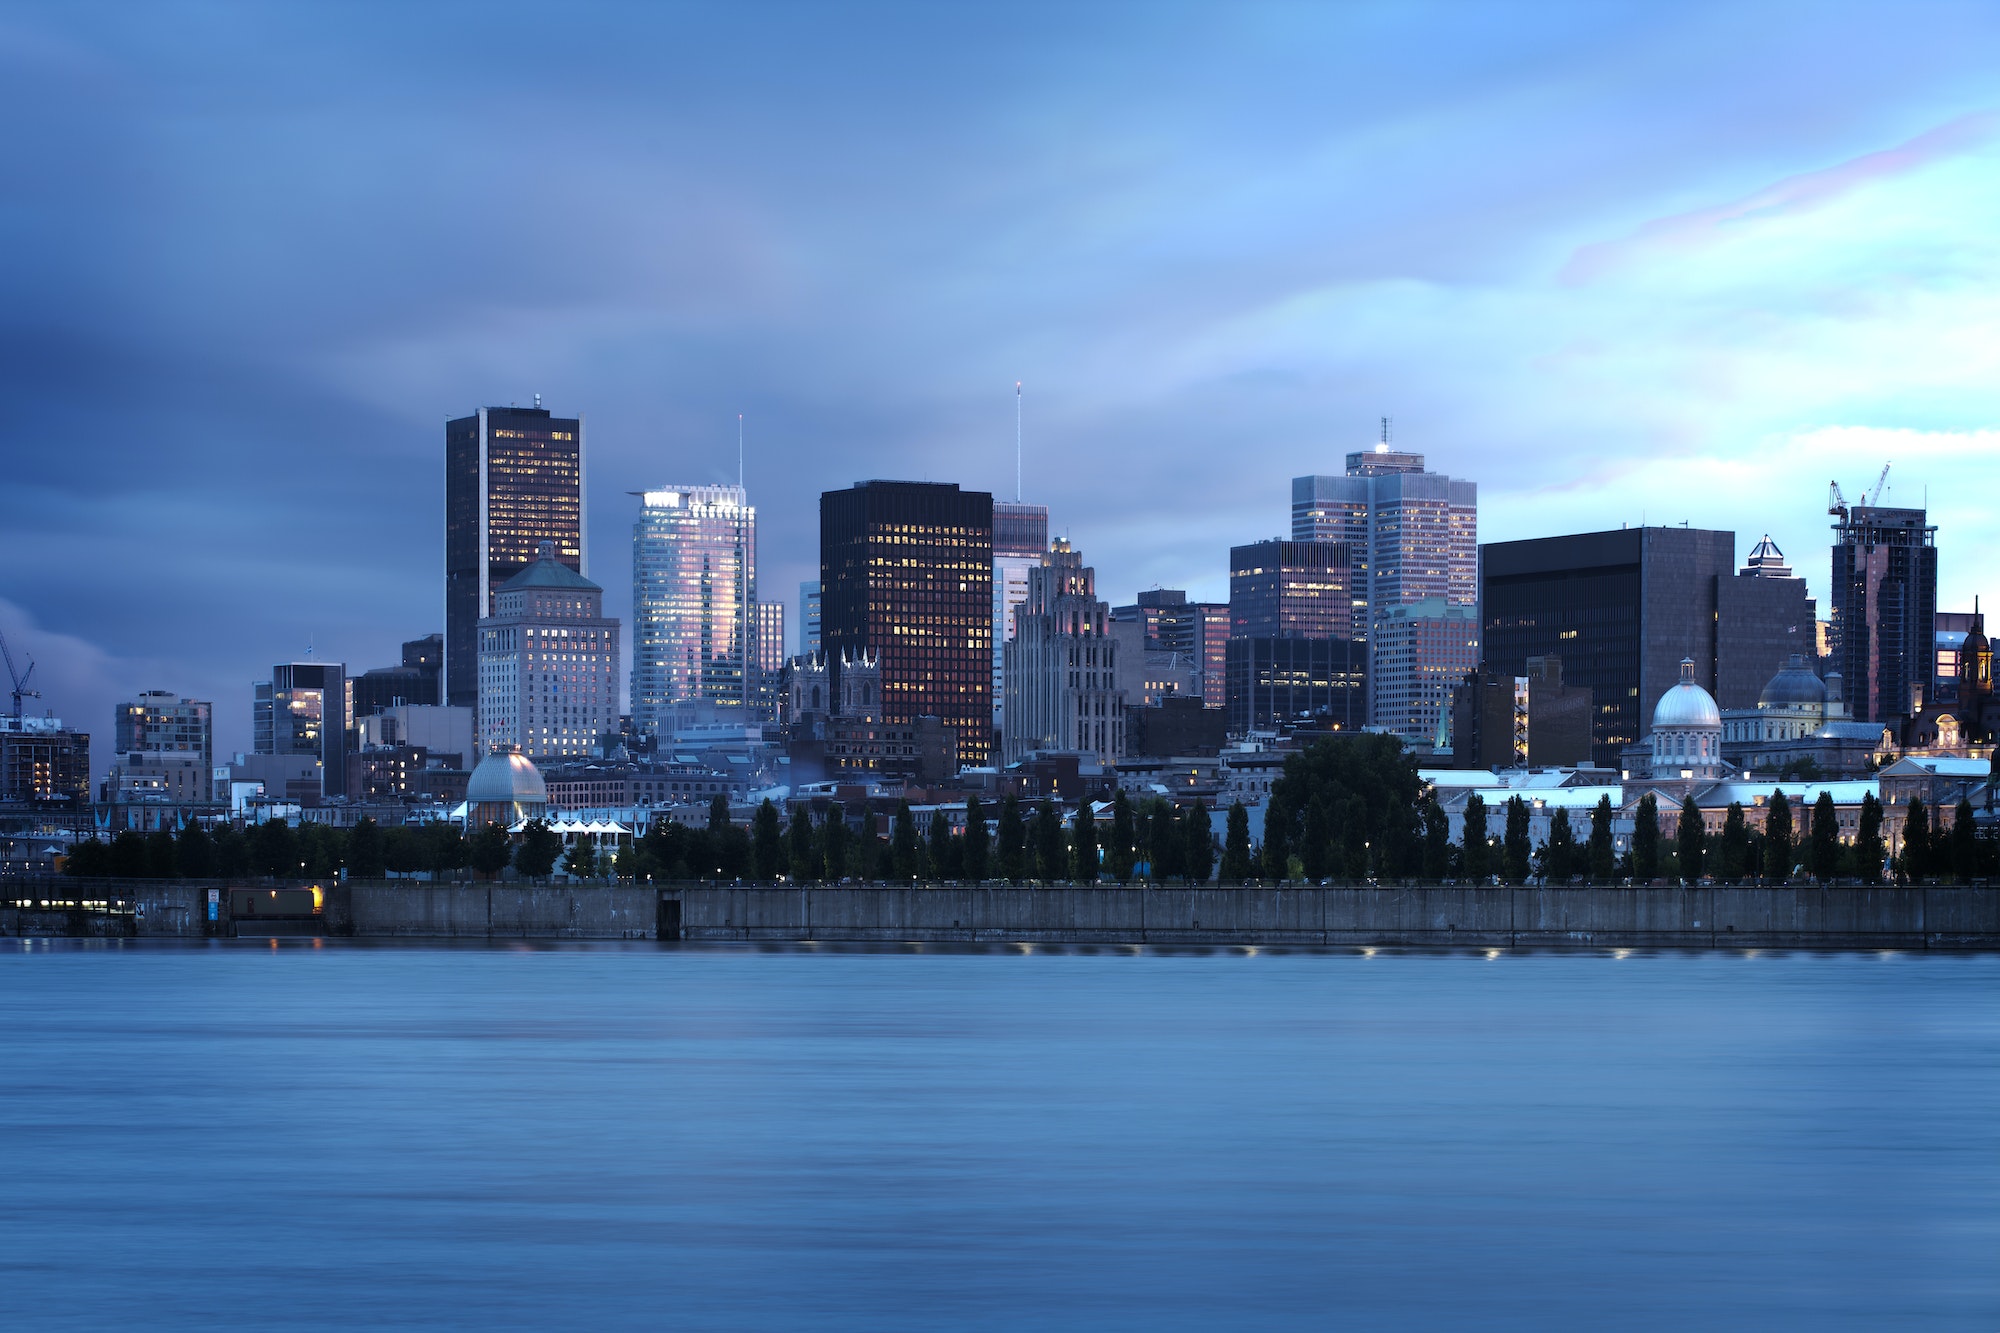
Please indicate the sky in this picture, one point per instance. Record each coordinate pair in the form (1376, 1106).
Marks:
(1617, 264)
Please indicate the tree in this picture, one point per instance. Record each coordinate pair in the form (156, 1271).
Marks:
(1602, 862)
(1473, 840)
(1734, 852)
(1236, 863)
(1868, 840)
(1198, 859)
(1916, 839)
(1315, 846)
(718, 813)
(1011, 841)
(490, 851)
(804, 852)
(274, 849)
(89, 858)
(1646, 839)
(903, 843)
(1164, 840)
(1823, 860)
(1964, 843)
(540, 845)
(767, 843)
(365, 855)
(1370, 790)
(194, 851)
(1083, 842)
(1778, 838)
(127, 856)
(1559, 852)
(1437, 840)
(1119, 853)
(974, 852)
(943, 848)
(1514, 848)
(1051, 850)
(442, 848)
(159, 854)
(232, 852)
(581, 860)
(1689, 841)
(835, 840)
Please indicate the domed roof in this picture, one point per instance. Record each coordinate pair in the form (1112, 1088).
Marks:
(1793, 686)
(505, 778)
(1686, 704)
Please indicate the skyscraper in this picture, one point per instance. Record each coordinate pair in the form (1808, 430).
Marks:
(1062, 666)
(694, 593)
(307, 708)
(1020, 540)
(1196, 631)
(769, 652)
(1884, 608)
(1414, 535)
(1291, 590)
(809, 618)
(906, 575)
(548, 664)
(513, 480)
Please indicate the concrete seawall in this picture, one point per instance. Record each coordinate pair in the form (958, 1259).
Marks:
(1799, 916)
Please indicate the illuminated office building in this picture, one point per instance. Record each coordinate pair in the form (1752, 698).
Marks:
(548, 664)
(1020, 541)
(1291, 590)
(1062, 666)
(694, 596)
(1884, 609)
(513, 480)
(307, 709)
(906, 577)
(809, 636)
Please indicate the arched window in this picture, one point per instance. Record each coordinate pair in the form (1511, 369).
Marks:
(815, 702)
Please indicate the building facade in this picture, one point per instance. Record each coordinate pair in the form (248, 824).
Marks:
(43, 763)
(307, 708)
(1295, 590)
(769, 646)
(1275, 683)
(809, 616)
(1062, 666)
(1884, 608)
(548, 665)
(1197, 631)
(906, 578)
(417, 682)
(1020, 540)
(1420, 651)
(1532, 721)
(513, 480)
(694, 598)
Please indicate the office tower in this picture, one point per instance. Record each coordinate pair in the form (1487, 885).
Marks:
(1292, 590)
(1061, 674)
(694, 593)
(1198, 632)
(1884, 608)
(513, 479)
(769, 644)
(1275, 682)
(906, 576)
(43, 763)
(1420, 653)
(1515, 721)
(1414, 535)
(548, 664)
(1020, 540)
(307, 709)
(414, 683)
(163, 749)
(809, 617)
(1621, 609)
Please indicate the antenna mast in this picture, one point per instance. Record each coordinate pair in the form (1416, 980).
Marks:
(739, 451)
(1017, 441)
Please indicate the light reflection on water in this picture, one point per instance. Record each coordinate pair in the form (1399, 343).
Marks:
(536, 1135)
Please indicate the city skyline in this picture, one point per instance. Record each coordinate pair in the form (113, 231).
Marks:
(1652, 320)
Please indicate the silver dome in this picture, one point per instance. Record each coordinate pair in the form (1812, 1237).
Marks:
(1794, 686)
(1686, 705)
(506, 779)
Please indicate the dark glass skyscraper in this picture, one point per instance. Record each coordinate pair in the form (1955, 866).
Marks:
(1884, 608)
(513, 480)
(906, 577)
(1291, 590)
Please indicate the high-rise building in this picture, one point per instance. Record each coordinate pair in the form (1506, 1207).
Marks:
(416, 682)
(43, 763)
(1884, 609)
(1020, 540)
(163, 749)
(1291, 590)
(1414, 535)
(769, 645)
(1197, 631)
(1420, 651)
(694, 597)
(513, 480)
(548, 664)
(1622, 608)
(906, 577)
(809, 618)
(307, 709)
(1276, 682)
(1062, 666)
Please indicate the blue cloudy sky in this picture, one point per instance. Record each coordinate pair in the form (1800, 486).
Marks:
(1660, 262)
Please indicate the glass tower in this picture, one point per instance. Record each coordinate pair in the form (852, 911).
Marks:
(694, 596)
(513, 480)
(1020, 543)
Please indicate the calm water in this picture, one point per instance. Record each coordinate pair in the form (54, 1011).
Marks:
(541, 1137)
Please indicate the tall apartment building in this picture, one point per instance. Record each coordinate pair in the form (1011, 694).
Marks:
(1622, 608)
(1062, 666)
(513, 479)
(1291, 590)
(307, 709)
(694, 599)
(1884, 608)
(43, 763)
(163, 749)
(1020, 540)
(548, 664)
(809, 618)
(906, 578)
(769, 653)
(1414, 535)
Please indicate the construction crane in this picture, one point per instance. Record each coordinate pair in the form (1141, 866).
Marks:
(1836, 502)
(20, 678)
(1874, 497)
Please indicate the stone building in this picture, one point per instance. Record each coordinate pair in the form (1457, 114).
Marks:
(1061, 674)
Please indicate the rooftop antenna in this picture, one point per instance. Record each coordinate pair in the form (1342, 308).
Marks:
(1385, 431)
(1017, 441)
(739, 451)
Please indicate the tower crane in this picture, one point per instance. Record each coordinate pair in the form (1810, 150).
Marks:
(1874, 497)
(19, 678)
